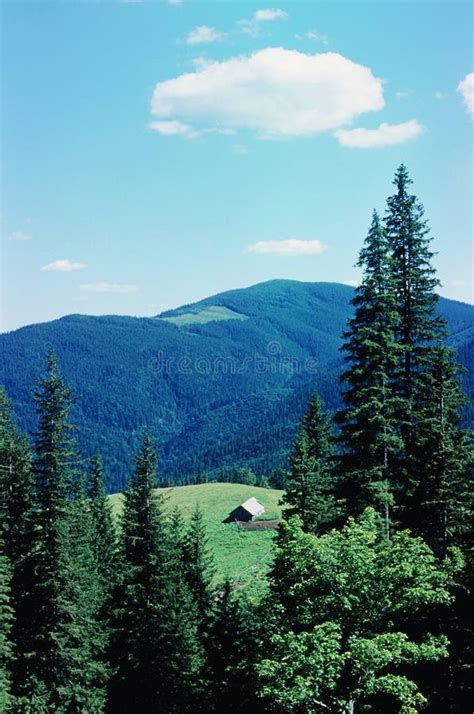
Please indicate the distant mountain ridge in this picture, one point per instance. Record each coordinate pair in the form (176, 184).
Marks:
(221, 383)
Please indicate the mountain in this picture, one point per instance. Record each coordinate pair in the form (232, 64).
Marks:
(221, 383)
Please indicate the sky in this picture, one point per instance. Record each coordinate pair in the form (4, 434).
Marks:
(155, 153)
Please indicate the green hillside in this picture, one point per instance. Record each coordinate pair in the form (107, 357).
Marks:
(242, 555)
(221, 384)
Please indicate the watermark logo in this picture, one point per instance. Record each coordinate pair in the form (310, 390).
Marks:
(271, 361)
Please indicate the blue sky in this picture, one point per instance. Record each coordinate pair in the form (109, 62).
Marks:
(154, 153)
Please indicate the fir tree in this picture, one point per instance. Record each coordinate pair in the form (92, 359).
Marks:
(419, 329)
(226, 651)
(103, 537)
(155, 649)
(67, 672)
(441, 502)
(368, 434)
(310, 483)
(19, 536)
(199, 569)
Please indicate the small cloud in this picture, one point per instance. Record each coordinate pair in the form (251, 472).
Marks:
(62, 266)
(204, 35)
(270, 15)
(403, 94)
(240, 149)
(466, 89)
(19, 235)
(384, 135)
(173, 128)
(440, 95)
(288, 247)
(252, 27)
(313, 36)
(119, 288)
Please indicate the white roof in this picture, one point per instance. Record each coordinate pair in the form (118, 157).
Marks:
(253, 506)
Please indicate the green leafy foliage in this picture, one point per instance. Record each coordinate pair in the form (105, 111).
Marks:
(343, 606)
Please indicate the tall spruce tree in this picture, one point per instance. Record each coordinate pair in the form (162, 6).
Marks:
(441, 502)
(419, 328)
(67, 672)
(155, 649)
(310, 483)
(228, 646)
(17, 493)
(199, 570)
(104, 534)
(368, 429)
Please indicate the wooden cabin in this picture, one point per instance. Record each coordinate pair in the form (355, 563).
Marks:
(247, 511)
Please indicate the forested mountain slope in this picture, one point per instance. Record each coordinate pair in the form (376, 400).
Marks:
(220, 383)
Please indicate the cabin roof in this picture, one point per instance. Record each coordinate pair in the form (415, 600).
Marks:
(253, 506)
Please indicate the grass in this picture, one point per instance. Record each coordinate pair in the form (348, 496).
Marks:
(207, 314)
(244, 556)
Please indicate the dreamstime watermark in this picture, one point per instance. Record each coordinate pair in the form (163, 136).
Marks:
(272, 361)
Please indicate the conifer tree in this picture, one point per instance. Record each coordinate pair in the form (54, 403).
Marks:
(155, 648)
(368, 434)
(103, 536)
(441, 502)
(19, 536)
(226, 652)
(67, 671)
(310, 482)
(199, 569)
(419, 329)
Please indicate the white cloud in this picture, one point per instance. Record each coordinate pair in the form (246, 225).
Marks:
(314, 36)
(288, 247)
(19, 235)
(440, 95)
(466, 88)
(121, 288)
(270, 15)
(62, 266)
(273, 92)
(384, 135)
(204, 34)
(252, 27)
(172, 128)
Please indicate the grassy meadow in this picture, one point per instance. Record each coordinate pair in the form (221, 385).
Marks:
(245, 556)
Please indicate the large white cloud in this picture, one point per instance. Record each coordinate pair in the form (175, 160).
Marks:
(274, 92)
(466, 88)
(384, 135)
(291, 246)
